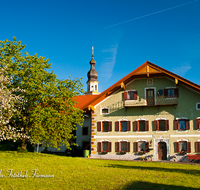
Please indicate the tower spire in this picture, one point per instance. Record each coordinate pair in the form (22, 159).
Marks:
(92, 75)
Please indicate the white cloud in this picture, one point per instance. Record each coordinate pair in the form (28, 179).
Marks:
(181, 70)
(109, 62)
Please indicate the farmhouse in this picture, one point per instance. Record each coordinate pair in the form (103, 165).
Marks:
(150, 112)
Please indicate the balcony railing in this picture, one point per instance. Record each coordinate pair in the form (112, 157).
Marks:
(143, 101)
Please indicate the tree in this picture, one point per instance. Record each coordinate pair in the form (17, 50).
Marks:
(48, 113)
(9, 105)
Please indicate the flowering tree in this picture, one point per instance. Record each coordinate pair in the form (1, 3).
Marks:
(48, 113)
(10, 104)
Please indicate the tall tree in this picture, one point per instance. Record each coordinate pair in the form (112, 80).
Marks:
(48, 113)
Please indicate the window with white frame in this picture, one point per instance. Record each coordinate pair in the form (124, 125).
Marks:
(104, 126)
(141, 146)
(161, 125)
(123, 146)
(123, 125)
(181, 124)
(198, 106)
(105, 111)
(182, 146)
(141, 125)
(104, 146)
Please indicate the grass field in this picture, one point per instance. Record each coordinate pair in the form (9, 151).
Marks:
(81, 173)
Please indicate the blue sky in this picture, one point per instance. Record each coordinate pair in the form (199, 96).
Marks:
(125, 34)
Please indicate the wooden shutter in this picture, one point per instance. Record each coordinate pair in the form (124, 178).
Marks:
(188, 146)
(135, 95)
(175, 124)
(156, 125)
(146, 125)
(146, 146)
(135, 146)
(165, 93)
(176, 145)
(166, 125)
(187, 124)
(128, 125)
(110, 126)
(198, 146)
(99, 146)
(126, 95)
(196, 123)
(117, 146)
(176, 92)
(99, 126)
(117, 126)
(136, 124)
(109, 147)
(128, 147)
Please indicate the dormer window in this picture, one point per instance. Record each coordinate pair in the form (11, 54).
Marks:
(130, 95)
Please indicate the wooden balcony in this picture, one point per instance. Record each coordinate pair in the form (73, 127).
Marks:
(157, 101)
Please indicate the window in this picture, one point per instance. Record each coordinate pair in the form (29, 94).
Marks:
(182, 146)
(104, 146)
(197, 123)
(171, 93)
(104, 111)
(104, 126)
(123, 126)
(198, 146)
(149, 81)
(84, 131)
(95, 87)
(123, 146)
(161, 125)
(198, 106)
(181, 124)
(130, 95)
(141, 146)
(141, 125)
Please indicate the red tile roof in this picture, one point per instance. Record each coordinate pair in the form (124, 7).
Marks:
(84, 100)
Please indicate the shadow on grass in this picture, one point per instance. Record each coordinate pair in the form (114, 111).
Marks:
(176, 170)
(141, 185)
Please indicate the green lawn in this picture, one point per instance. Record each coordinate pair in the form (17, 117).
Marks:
(81, 173)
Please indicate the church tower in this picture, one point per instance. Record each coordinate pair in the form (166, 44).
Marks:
(92, 83)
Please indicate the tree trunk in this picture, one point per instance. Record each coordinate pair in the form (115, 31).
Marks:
(24, 143)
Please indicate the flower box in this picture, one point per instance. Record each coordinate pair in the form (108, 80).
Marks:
(104, 152)
(141, 152)
(122, 152)
(183, 152)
